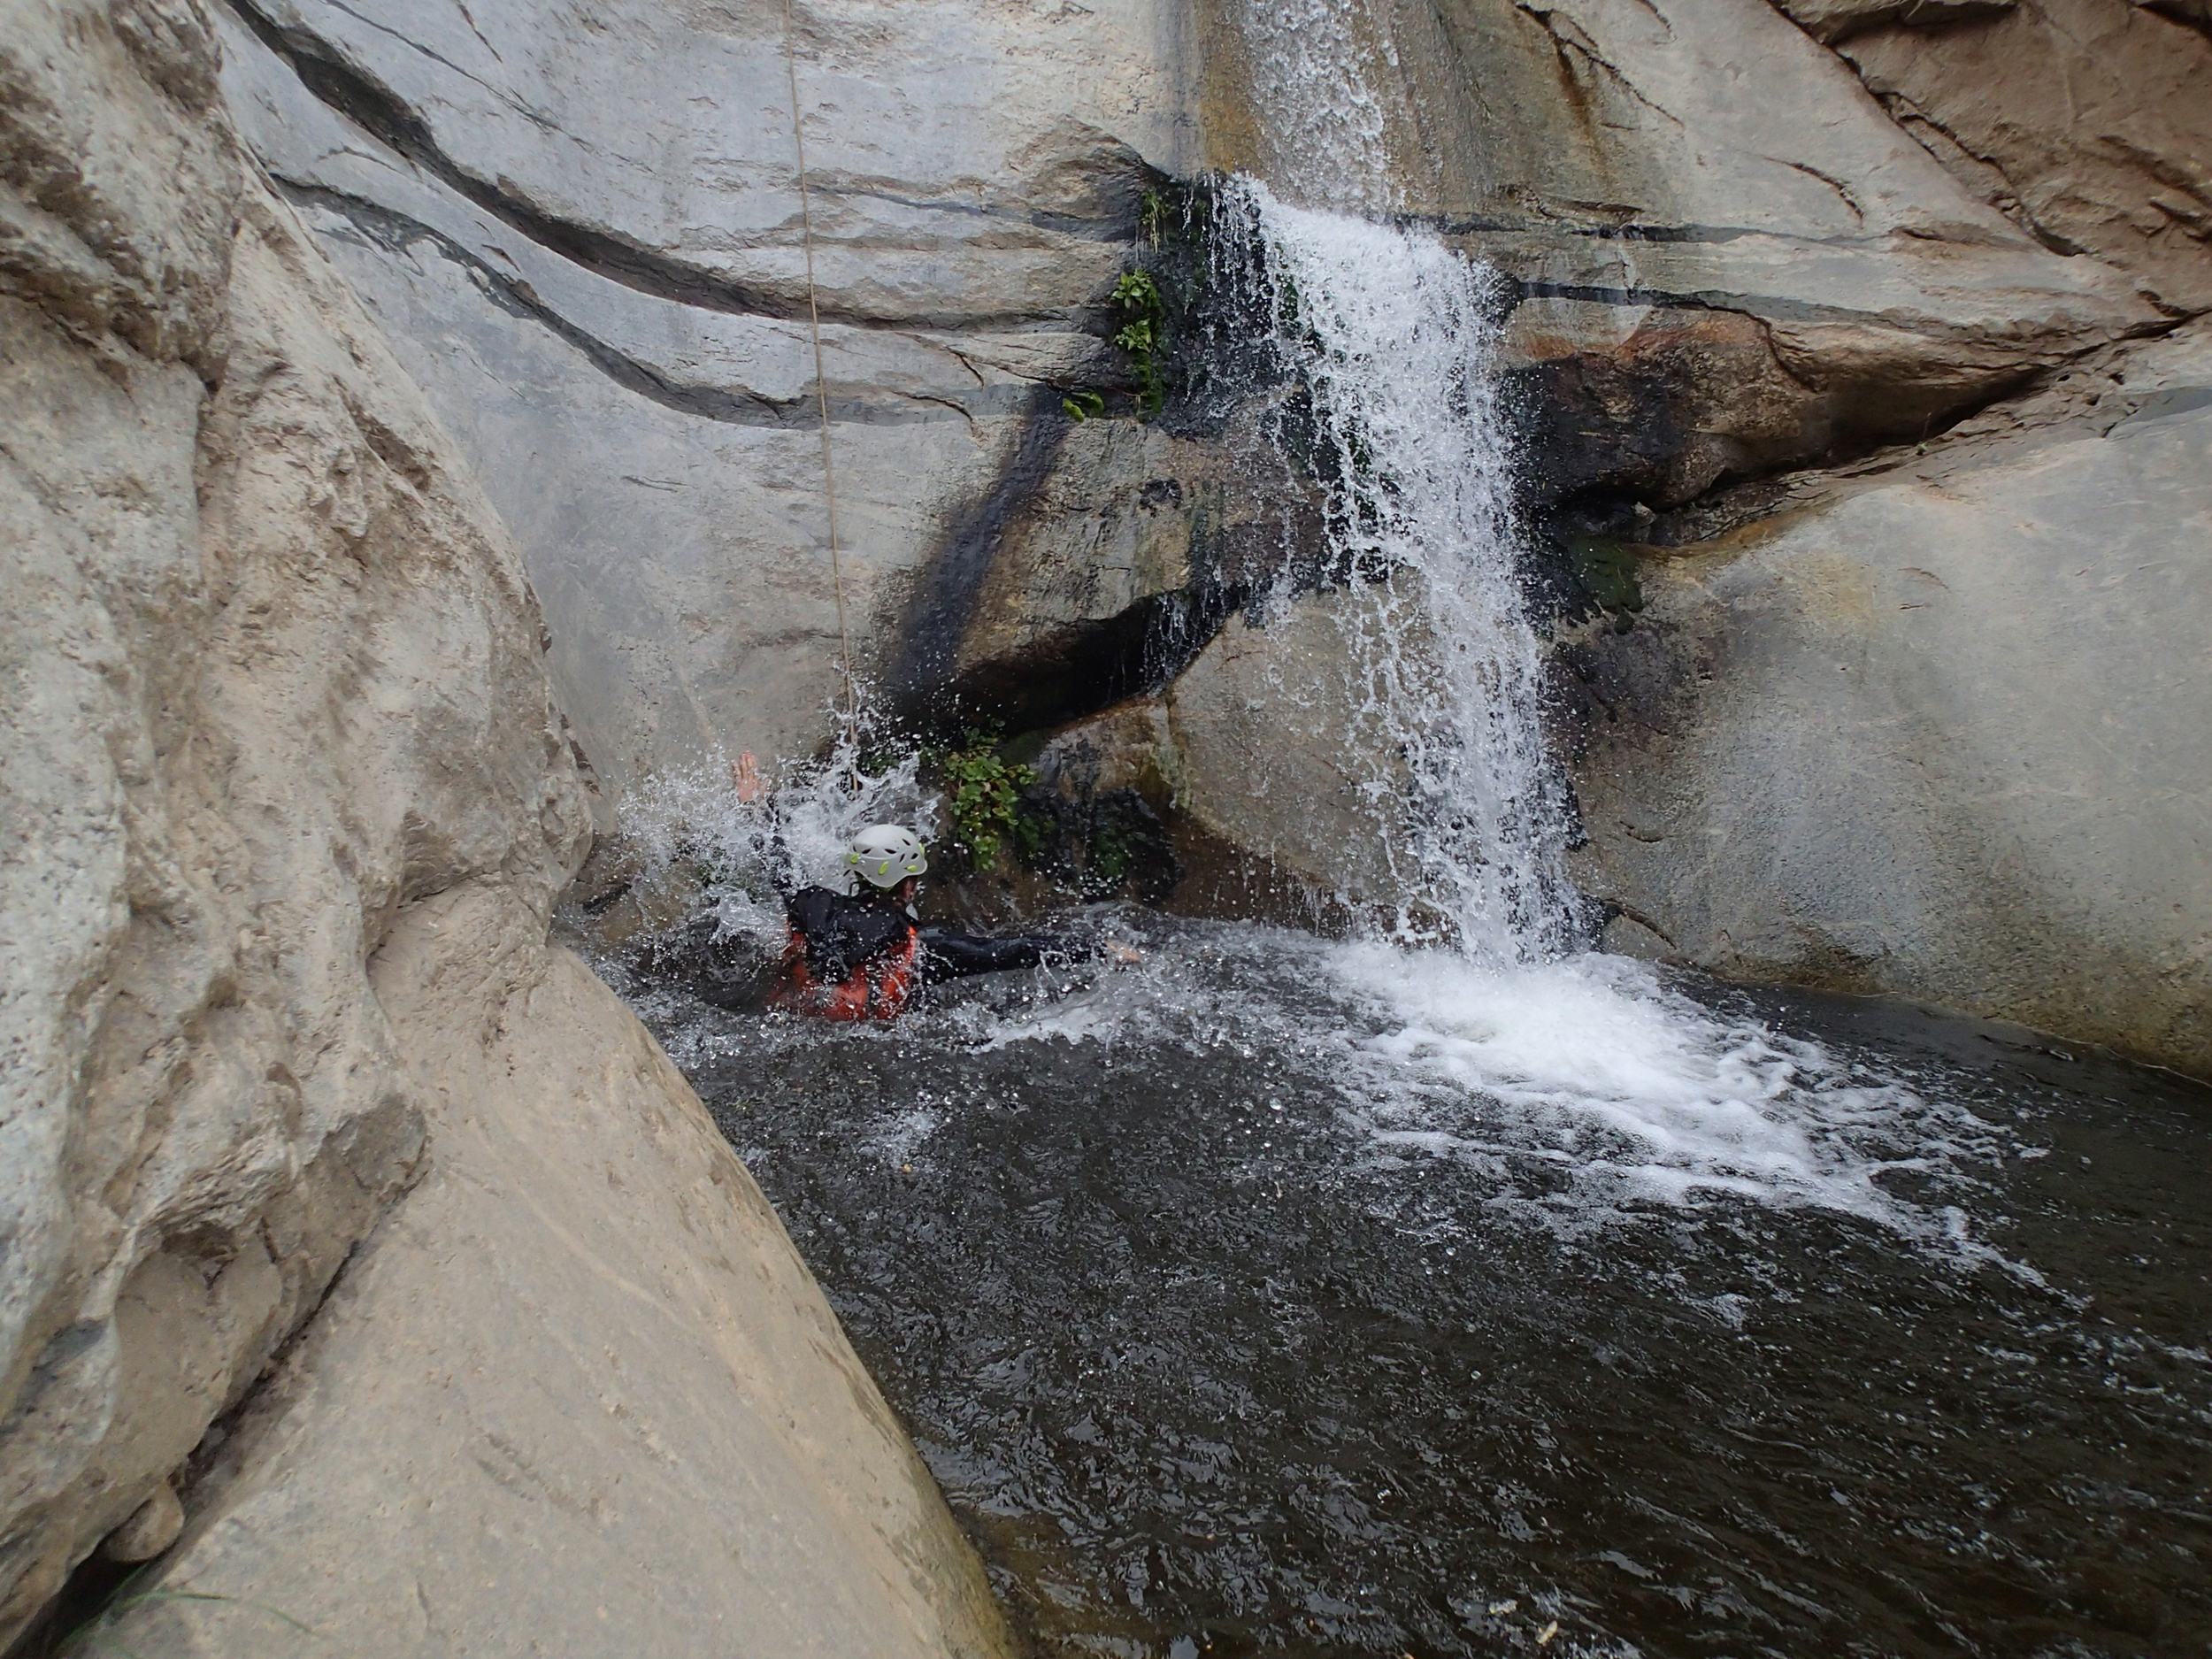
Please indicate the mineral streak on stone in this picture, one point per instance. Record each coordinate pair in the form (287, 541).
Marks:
(587, 243)
(589, 253)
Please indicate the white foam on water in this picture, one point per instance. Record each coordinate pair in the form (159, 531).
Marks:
(899, 1137)
(1586, 1090)
(1592, 1065)
(1169, 1003)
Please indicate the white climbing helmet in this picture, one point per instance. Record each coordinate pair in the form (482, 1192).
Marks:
(886, 854)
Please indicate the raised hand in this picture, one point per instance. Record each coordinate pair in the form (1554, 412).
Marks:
(745, 777)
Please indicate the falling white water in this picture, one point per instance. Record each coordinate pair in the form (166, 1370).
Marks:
(1393, 338)
(1584, 1086)
(1326, 134)
(1511, 1046)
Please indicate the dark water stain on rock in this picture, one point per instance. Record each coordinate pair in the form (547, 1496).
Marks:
(942, 603)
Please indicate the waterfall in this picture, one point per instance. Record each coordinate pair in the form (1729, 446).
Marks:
(1326, 138)
(1391, 338)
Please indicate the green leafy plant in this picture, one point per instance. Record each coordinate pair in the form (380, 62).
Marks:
(1152, 218)
(984, 794)
(1110, 854)
(1608, 569)
(1143, 332)
(1083, 405)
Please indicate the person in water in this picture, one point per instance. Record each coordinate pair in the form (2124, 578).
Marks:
(863, 952)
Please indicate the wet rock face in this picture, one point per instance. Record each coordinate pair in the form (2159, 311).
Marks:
(1735, 248)
(1107, 788)
(590, 244)
(273, 673)
(1942, 733)
(1243, 789)
(1135, 544)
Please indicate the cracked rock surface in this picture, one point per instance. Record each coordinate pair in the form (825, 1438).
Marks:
(2084, 123)
(1712, 158)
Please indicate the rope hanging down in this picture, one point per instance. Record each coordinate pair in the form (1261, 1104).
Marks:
(821, 381)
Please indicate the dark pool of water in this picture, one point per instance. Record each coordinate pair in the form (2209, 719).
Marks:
(1206, 1366)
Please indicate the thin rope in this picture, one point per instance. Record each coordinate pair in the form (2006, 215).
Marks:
(821, 380)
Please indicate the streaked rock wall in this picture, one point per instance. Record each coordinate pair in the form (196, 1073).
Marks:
(1755, 254)
(587, 243)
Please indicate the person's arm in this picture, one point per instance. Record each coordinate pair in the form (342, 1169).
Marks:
(753, 791)
(947, 954)
(746, 779)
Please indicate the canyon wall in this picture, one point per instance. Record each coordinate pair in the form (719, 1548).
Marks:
(1941, 731)
(1863, 431)
(1755, 254)
(1864, 411)
(586, 241)
(290, 798)
(1881, 385)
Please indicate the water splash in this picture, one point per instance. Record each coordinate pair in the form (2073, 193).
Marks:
(1633, 1093)
(725, 861)
(1392, 340)
(1576, 1097)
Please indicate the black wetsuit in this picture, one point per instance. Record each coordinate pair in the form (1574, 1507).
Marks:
(840, 933)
